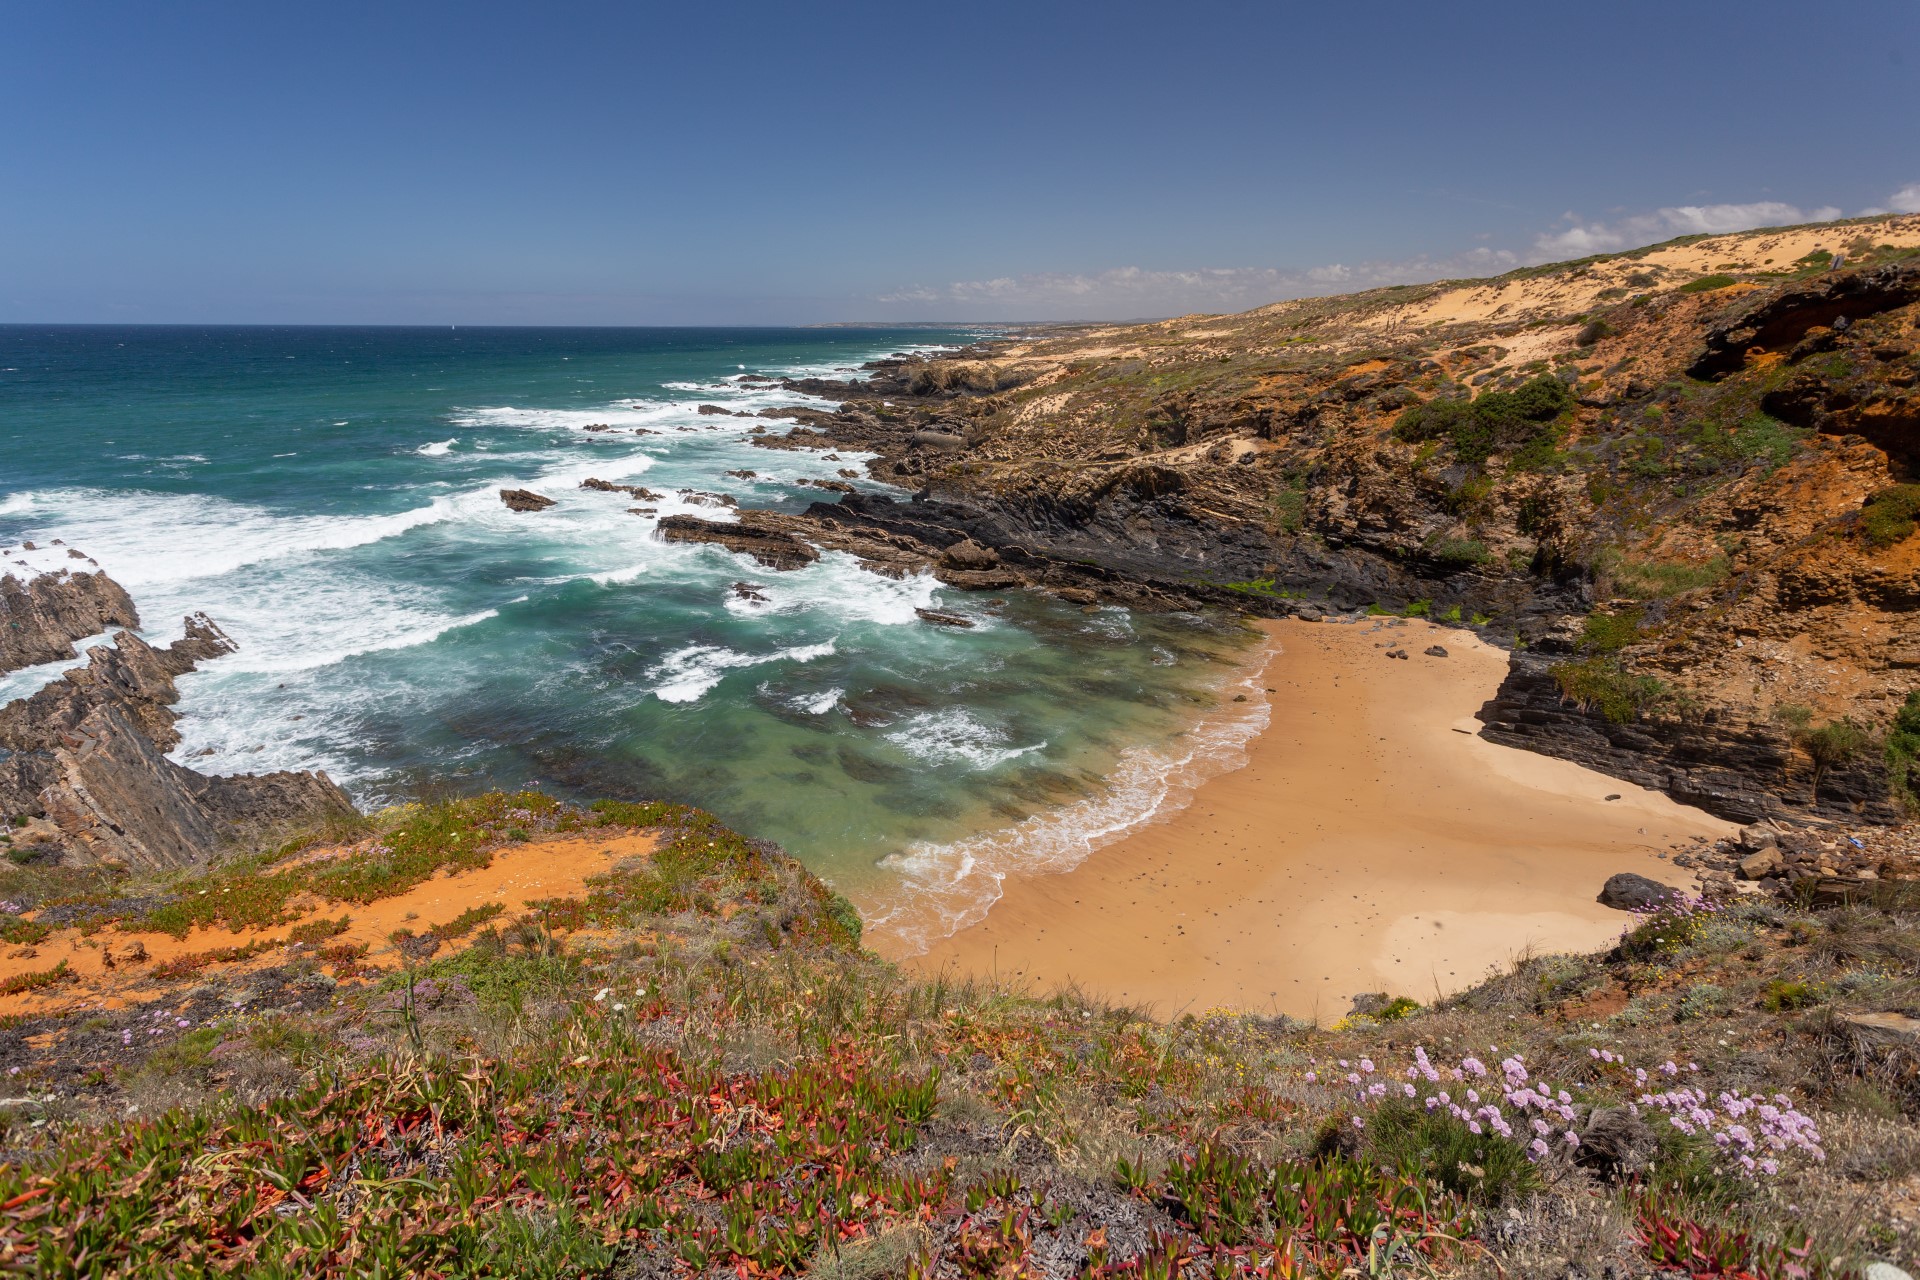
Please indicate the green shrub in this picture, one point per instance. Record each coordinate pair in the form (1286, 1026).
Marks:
(1478, 1166)
(1459, 553)
(1903, 751)
(1890, 515)
(1592, 331)
(1707, 284)
(1601, 684)
(1826, 746)
(1610, 632)
(1783, 995)
(1495, 422)
(1656, 579)
(1290, 508)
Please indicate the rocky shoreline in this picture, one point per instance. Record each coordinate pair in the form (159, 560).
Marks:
(44, 610)
(84, 779)
(1281, 497)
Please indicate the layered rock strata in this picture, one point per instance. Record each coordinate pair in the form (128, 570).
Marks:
(85, 758)
(42, 614)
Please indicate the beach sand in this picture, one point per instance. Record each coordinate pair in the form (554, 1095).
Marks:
(1372, 842)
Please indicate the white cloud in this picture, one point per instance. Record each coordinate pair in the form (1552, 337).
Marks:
(1581, 237)
(1134, 292)
(1124, 293)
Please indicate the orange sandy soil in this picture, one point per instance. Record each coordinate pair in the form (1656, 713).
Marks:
(1371, 842)
(519, 874)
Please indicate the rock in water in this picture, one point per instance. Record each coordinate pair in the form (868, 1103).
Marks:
(756, 534)
(524, 500)
(43, 615)
(942, 619)
(1630, 892)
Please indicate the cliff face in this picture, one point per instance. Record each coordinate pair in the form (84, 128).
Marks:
(42, 614)
(86, 756)
(1679, 482)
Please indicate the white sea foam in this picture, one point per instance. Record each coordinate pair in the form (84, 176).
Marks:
(945, 888)
(145, 539)
(18, 562)
(836, 585)
(953, 736)
(817, 704)
(609, 577)
(438, 448)
(389, 632)
(687, 674)
(26, 681)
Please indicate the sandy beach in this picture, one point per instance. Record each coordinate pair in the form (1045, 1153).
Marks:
(1372, 842)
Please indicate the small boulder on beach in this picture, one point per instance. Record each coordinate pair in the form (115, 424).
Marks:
(1629, 892)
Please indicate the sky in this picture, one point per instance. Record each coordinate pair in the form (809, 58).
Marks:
(760, 163)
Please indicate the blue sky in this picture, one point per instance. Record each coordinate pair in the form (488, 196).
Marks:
(779, 163)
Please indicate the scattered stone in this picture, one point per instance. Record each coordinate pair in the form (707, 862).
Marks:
(598, 426)
(1615, 1142)
(1368, 1003)
(1629, 892)
(524, 500)
(1758, 866)
(968, 554)
(1758, 836)
(938, 440)
(632, 490)
(1436, 651)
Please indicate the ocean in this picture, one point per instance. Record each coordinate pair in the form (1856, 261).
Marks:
(330, 497)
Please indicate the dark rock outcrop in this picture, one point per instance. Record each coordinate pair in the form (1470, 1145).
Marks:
(775, 547)
(1739, 770)
(632, 490)
(1779, 320)
(524, 500)
(85, 754)
(43, 615)
(1629, 892)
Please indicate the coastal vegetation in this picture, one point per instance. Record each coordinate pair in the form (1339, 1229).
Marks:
(692, 1068)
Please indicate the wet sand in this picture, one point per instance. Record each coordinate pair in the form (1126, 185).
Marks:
(1372, 842)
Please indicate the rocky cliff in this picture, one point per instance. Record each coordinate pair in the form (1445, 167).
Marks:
(83, 771)
(42, 612)
(1679, 482)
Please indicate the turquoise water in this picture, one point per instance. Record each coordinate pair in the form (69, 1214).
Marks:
(330, 498)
